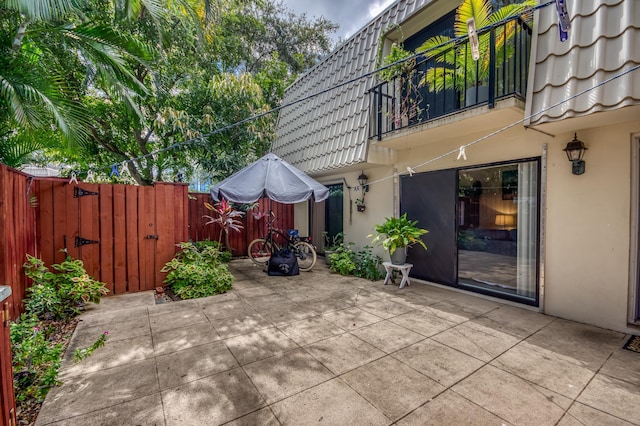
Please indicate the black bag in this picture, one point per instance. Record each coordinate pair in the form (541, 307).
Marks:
(283, 262)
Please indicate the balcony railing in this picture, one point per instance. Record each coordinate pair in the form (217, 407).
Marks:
(452, 81)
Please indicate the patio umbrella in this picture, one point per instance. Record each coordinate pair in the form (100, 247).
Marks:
(271, 177)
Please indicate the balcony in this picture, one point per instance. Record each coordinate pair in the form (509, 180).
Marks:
(452, 81)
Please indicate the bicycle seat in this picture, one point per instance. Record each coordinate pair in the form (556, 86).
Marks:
(292, 232)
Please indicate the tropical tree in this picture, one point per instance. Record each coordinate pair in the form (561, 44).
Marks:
(49, 55)
(456, 67)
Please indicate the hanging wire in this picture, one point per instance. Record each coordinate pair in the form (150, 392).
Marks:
(515, 123)
(315, 94)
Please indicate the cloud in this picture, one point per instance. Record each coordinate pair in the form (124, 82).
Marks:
(349, 14)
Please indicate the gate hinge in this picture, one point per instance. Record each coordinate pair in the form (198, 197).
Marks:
(79, 192)
(83, 242)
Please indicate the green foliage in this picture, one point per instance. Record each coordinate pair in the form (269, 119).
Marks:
(363, 263)
(81, 354)
(224, 256)
(197, 272)
(398, 54)
(397, 232)
(368, 265)
(333, 243)
(35, 359)
(59, 295)
(343, 260)
(455, 69)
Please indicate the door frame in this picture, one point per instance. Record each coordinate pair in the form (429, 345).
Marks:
(634, 261)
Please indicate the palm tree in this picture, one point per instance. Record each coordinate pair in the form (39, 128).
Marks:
(45, 48)
(455, 68)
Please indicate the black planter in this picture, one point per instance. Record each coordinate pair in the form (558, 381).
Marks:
(361, 208)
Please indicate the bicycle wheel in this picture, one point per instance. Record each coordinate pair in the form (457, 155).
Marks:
(259, 251)
(306, 255)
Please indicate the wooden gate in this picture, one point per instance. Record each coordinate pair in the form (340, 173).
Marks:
(124, 234)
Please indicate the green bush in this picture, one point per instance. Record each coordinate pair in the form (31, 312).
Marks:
(59, 295)
(224, 256)
(343, 260)
(368, 265)
(197, 272)
(35, 359)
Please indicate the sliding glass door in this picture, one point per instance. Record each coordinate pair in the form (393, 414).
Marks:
(484, 228)
(498, 229)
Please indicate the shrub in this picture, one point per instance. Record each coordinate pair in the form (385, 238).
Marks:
(368, 265)
(363, 264)
(59, 295)
(197, 272)
(35, 359)
(224, 256)
(343, 260)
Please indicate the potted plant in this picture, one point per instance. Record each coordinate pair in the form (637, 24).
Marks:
(360, 204)
(459, 70)
(332, 244)
(401, 73)
(396, 234)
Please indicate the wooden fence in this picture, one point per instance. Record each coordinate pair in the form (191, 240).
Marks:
(17, 232)
(252, 228)
(124, 234)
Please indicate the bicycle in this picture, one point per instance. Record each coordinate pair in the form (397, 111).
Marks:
(260, 249)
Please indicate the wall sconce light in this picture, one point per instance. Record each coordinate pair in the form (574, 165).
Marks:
(575, 151)
(362, 180)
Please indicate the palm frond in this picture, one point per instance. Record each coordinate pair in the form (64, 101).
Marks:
(42, 10)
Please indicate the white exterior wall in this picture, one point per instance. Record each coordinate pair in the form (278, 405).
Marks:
(587, 237)
(588, 229)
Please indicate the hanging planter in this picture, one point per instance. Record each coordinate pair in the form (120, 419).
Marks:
(360, 204)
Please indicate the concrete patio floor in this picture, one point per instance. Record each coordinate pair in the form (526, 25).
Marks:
(320, 348)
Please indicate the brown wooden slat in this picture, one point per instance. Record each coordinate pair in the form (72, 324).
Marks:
(106, 217)
(72, 223)
(119, 240)
(164, 228)
(89, 228)
(45, 220)
(146, 231)
(131, 220)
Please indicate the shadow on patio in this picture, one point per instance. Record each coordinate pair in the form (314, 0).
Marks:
(322, 348)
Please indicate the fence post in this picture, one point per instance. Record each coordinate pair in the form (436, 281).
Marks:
(492, 68)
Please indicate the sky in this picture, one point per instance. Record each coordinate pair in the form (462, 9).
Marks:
(351, 15)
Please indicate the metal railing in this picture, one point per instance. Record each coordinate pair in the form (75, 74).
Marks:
(452, 81)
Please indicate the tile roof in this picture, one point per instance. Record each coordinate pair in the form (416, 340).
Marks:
(330, 131)
(604, 40)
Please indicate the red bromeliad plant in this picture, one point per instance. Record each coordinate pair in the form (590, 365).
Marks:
(227, 219)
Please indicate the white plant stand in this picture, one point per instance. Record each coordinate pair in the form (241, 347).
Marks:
(405, 268)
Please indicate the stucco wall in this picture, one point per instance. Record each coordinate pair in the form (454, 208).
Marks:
(588, 229)
(587, 235)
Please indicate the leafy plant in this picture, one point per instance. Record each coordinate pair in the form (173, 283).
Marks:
(60, 294)
(224, 256)
(194, 272)
(81, 354)
(35, 359)
(331, 244)
(343, 260)
(398, 62)
(368, 265)
(398, 232)
(458, 69)
(227, 219)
